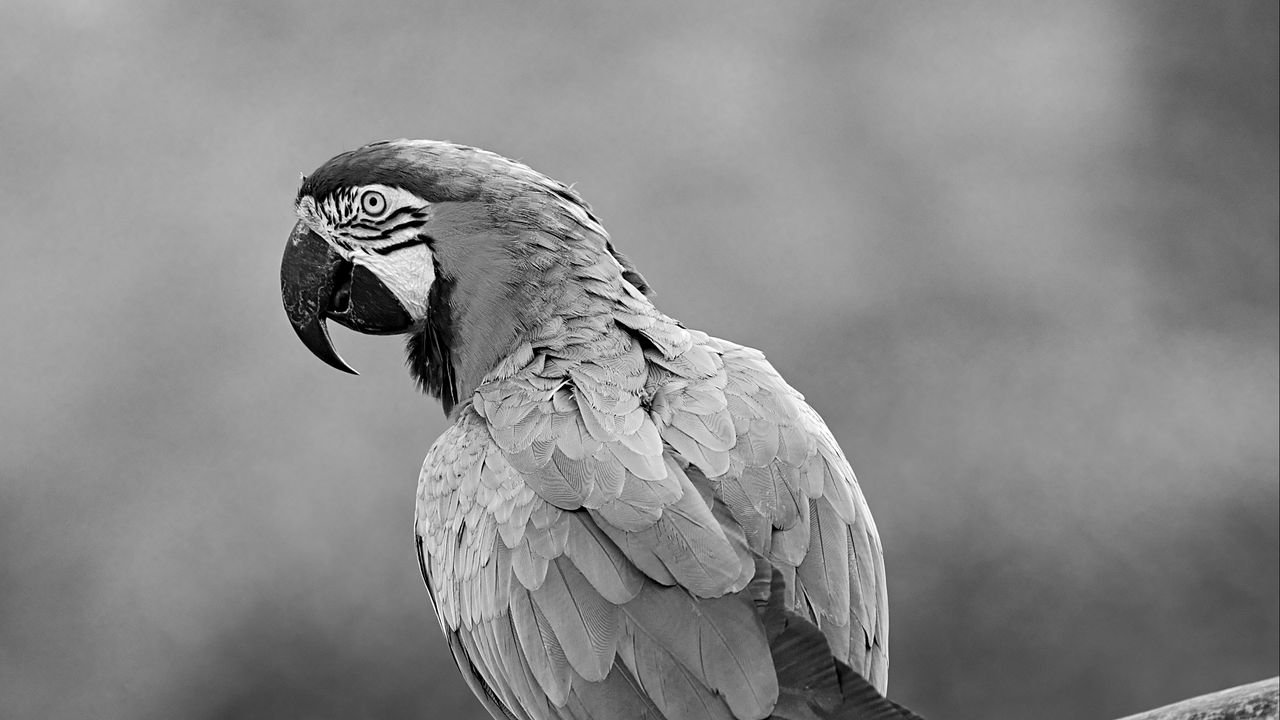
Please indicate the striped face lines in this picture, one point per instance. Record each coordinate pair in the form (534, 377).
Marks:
(381, 228)
(367, 219)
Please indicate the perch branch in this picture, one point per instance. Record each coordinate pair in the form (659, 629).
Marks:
(1256, 701)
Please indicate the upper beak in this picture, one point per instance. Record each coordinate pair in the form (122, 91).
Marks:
(316, 283)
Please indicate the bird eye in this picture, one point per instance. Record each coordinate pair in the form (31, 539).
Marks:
(373, 202)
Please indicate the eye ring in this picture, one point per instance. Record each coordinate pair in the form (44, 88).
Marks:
(373, 202)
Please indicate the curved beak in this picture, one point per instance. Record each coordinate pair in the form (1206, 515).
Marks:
(316, 283)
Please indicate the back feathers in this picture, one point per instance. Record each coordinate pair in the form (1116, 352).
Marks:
(631, 519)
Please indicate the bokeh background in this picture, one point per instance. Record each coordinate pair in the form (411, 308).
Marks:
(1021, 256)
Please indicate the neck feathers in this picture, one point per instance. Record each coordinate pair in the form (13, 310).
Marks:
(428, 351)
(495, 290)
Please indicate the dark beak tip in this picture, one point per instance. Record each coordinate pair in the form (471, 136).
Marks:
(340, 364)
(315, 335)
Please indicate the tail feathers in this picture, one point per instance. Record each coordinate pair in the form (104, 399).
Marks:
(862, 701)
(813, 685)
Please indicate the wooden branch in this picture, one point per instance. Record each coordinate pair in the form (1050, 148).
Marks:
(1256, 701)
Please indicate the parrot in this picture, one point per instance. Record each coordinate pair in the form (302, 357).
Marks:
(625, 518)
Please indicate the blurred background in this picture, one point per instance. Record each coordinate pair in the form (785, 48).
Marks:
(1022, 257)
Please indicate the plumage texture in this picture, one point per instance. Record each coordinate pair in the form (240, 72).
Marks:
(620, 548)
(629, 472)
(626, 518)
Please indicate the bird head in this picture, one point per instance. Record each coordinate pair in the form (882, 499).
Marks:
(462, 249)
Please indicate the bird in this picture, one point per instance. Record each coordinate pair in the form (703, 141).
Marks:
(625, 518)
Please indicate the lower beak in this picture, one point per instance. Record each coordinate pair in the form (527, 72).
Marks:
(317, 283)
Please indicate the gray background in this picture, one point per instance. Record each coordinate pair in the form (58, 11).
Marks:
(1022, 257)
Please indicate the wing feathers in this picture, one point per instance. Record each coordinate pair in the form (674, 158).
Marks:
(638, 506)
(674, 689)
(541, 648)
(691, 544)
(637, 549)
(503, 646)
(601, 562)
(485, 660)
(713, 431)
(547, 542)
(720, 640)
(644, 467)
(585, 623)
(529, 568)
(825, 570)
(619, 697)
(712, 463)
(788, 547)
(641, 497)
(755, 525)
(759, 443)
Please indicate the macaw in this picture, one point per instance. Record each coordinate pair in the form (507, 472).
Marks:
(626, 518)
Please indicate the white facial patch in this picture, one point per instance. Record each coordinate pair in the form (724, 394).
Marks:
(408, 273)
(384, 237)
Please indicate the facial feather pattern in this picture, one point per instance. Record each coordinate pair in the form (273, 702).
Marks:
(420, 215)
